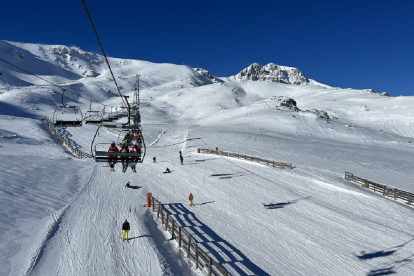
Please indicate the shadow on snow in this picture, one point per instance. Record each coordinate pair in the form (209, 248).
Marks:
(283, 204)
(389, 268)
(222, 251)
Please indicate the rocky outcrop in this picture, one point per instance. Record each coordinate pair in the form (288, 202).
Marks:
(272, 73)
(203, 74)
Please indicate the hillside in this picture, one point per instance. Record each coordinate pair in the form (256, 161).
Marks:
(62, 216)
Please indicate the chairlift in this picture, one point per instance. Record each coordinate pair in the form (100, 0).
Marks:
(67, 115)
(129, 134)
(93, 116)
(127, 137)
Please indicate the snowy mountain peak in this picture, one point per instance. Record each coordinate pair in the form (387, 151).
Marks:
(272, 73)
(203, 73)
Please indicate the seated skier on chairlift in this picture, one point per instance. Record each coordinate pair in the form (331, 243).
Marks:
(134, 160)
(124, 160)
(112, 159)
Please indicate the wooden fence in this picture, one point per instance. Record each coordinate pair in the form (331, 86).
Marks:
(185, 241)
(382, 189)
(76, 152)
(280, 165)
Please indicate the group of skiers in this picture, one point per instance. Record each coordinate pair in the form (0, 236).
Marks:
(126, 161)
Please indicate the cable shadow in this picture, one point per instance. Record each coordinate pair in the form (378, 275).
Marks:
(220, 250)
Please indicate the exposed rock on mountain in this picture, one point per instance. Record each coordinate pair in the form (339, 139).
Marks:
(202, 73)
(273, 73)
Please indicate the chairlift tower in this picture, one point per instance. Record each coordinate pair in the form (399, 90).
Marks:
(136, 102)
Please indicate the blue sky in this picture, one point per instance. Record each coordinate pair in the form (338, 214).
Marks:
(349, 44)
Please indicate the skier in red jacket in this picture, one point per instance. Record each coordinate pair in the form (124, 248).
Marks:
(190, 199)
(124, 160)
(112, 159)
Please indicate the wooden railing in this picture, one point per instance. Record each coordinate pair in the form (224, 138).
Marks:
(186, 242)
(382, 189)
(280, 165)
(76, 152)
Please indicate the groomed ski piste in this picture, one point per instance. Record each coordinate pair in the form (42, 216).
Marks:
(60, 215)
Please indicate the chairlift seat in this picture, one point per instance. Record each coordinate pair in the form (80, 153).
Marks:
(68, 123)
(104, 156)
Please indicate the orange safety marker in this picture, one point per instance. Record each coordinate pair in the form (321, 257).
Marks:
(148, 200)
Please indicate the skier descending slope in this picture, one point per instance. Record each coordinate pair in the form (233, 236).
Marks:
(125, 230)
(190, 199)
(112, 162)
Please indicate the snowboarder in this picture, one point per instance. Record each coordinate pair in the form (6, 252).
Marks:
(124, 159)
(190, 199)
(134, 160)
(112, 159)
(125, 230)
(154, 159)
(167, 170)
(181, 159)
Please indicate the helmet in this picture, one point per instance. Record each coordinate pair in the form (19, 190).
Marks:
(113, 143)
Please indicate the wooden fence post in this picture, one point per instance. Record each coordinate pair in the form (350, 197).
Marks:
(210, 262)
(173, 227)
(395, 194)
(166, 223)
(189, 245)
(162, 216)
(196, 255)
(159, 209)
(179, 236)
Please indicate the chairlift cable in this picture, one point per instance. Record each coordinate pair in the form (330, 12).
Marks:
(54, 84)
(103, 52)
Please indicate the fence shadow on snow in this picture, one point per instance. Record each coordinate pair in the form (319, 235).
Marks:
(220, 250)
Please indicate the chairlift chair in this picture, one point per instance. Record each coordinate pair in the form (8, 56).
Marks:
(100, 152)
(67, 115)
(93, 117)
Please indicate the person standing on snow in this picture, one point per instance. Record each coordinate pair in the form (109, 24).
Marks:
(182, 160)
(190, 199)
(112, 159)
(125, 230)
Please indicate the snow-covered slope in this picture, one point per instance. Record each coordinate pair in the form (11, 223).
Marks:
(62, 216)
